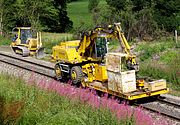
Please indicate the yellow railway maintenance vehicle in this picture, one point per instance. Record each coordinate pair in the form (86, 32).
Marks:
(26, 42)
(87, 61)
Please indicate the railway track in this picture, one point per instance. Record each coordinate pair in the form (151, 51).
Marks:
(164, 106)
(28, 63)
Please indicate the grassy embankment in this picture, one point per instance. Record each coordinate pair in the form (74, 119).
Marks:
(23, 104)
(45, 103)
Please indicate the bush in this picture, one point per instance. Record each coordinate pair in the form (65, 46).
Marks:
(93, 4)
(5, 40)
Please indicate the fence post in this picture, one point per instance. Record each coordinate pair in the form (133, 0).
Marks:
(1, 25)
(176, 39)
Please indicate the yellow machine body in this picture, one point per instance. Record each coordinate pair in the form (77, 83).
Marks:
(88, 62)
(26, 43)
(66, 52)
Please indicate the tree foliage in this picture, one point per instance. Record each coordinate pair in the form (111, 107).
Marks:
(48, 15)
(166, 14)
(71, 1)
(6, 12)
(93, 4)
(103, 15)
(118, 4)
(60, 22)
(143, 18)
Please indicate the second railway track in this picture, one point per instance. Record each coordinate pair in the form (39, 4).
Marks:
(28, 63)
(163, 106)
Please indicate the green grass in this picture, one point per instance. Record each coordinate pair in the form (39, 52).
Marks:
(148, 49)
(51, 39)
(157, 70)
(173, 91)
(79, 13)
(169, 55)
(5, 41)
(27, 105)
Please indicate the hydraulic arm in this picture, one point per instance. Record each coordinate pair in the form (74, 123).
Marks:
(115, 32)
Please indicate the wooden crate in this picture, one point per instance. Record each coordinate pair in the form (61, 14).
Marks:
(114, 81)
(157, 85)
(123, 82)
(115, 61)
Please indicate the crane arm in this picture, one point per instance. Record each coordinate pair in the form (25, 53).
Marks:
(117, 32)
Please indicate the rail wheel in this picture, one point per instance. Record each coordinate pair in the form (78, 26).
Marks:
(76, 74)
(58, 72)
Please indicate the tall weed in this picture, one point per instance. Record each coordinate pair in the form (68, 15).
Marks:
(158, 70)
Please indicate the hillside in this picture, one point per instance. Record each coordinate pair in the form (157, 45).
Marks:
(79, 14)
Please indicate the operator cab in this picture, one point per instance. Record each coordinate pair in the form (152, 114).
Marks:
(100, 47)
(23, 33)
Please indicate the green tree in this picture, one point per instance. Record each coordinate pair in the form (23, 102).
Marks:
(138, 5)
(62, 23)
(7, 12)
(71, 1)
(47, 15)
(136, 16)
(118, 4)
(103, 15)
(166, 14)
(93, 4)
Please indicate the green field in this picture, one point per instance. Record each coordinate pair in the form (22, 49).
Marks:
(79, 14)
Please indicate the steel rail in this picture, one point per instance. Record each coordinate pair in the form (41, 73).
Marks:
(170, 103)
(29, 65)
(164, 113)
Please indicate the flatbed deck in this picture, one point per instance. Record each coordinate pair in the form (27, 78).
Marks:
(129, 96)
